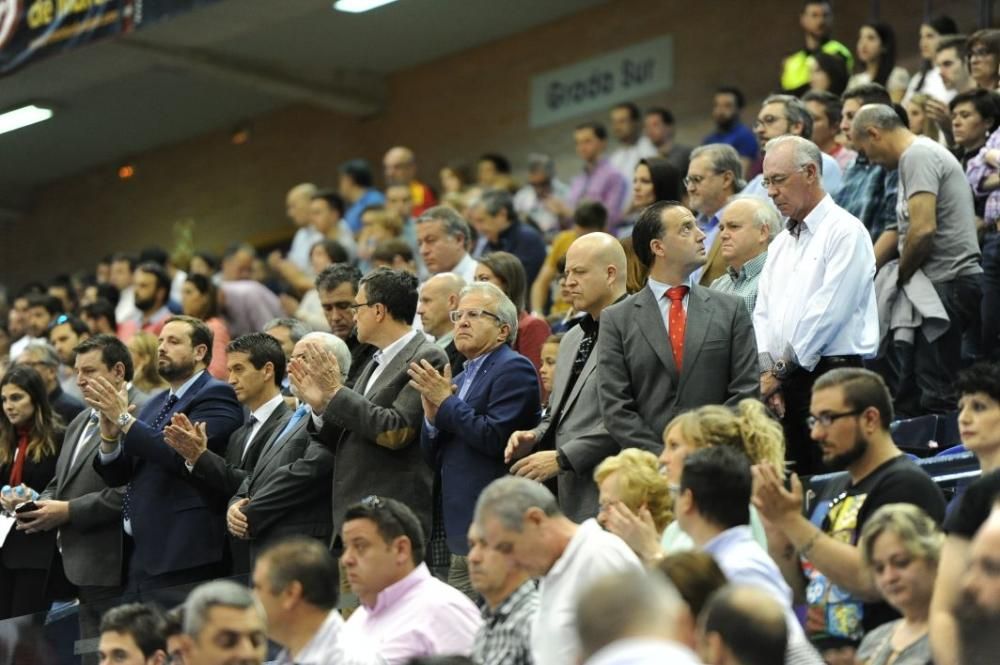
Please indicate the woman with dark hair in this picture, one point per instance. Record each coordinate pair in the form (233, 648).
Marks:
(31, 435)
(974, 116)
(928, 79)
(654, 179)
(200, 299)
(983, 57)
(505, 271)
(828, 72)
(877, 59)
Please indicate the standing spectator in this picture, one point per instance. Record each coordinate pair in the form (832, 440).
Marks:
(357, 188)
(504, 232)
(443, 238)
(151, 286)
(326, 211)
(600, 181)
(747, 227)
(541, 201)
(815, 306)
(589, 217)
(937, 237)
(504, 271)
(827, 73)
(337, 287)
(825, 109)
(297, 203)
(714, 176)
(200, 300)
(816, 21)
(30, 438)
(983, 52)
(727, 104)
(655, 358)
(99, 317)
(850, 416)
(41, 358)
(521, 517)
(659, 127)
(928, 79)
(439, 297)
(401, 169)
(877, 58)
(626, 127)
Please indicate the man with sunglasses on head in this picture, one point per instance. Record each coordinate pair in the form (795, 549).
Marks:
(848, 419)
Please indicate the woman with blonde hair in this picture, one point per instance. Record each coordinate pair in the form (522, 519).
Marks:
(921, 123)
(632, 477)
(748, 428)
(144, 348)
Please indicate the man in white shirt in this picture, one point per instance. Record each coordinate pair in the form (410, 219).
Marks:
(521, 518)
(815, 300)
(626, 127)
(443, 243)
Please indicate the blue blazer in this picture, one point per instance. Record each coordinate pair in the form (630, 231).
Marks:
(176, 523)
(472, 434)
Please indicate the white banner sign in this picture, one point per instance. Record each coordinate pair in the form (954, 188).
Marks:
(599, 83)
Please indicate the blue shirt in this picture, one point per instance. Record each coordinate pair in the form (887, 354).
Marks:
(371, 197)
(740, 137)
(469, 372)
(869, 193)
(524, 242)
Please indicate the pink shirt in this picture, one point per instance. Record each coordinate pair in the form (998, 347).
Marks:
(417, 616)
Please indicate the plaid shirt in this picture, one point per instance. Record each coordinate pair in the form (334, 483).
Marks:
(744, 282)
(505, 636)
(869, 193)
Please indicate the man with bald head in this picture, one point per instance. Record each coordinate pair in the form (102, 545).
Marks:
(571, 439)
(297, 203)
(742, 625)
(438, 299)
(937, 243)
(401, 169)
(815, 306)
(747, 226)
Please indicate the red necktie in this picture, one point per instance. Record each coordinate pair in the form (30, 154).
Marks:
(677, 319)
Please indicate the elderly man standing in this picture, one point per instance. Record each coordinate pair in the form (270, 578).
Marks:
(465, 434)
(520, 518)
(815, 301)
(714, 176)
(747, 227)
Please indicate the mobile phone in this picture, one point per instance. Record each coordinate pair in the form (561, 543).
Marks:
(26, 507)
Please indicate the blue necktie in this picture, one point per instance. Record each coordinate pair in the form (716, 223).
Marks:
(289, 426)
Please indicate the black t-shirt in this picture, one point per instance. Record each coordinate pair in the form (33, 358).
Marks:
(974, 506)
(834, 617)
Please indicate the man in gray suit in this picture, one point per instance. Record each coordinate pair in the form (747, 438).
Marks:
(674, 345)
(77, 501)
(571, 440)
(373, 427)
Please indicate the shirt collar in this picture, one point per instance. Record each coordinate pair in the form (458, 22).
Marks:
(390, 595)
(591, 326)
(817, 214)
(179, 393)
(751, 268)
(332, 625)
(575, 543)
(474, 364)
(385, 356)
(598, 165)
(265, 410)
(731, 536)
(659, 289)
(511, 602)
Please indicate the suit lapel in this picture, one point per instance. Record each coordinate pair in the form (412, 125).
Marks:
(395, 366)
(66, 469)
(271, 449)
(588, 369)
(484, 369)
(564, 368)
(650, 321)
(267, 430)
(699, 318)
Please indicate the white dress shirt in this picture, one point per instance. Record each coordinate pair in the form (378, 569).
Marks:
(331, 645)
(816, 295)
(466, 268)
(385, 356)
(261, 414)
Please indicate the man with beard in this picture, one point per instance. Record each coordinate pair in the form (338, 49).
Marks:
(152, 290)
(849, 418)
(978, 608)
(727, 104)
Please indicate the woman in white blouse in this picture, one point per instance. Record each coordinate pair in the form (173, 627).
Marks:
(928, 79)
(876, 51)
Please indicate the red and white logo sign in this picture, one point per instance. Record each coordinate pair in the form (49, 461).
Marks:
(10, 14)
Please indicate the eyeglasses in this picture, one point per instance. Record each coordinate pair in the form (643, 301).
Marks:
(827, 419)
(695, 180)
(767, 120)
(980, 53)
(471, 314)
(355, 307)
(778, 180)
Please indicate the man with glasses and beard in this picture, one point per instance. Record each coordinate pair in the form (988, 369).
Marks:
(849, 418)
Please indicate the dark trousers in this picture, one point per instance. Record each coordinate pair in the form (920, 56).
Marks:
(800, 450)
(991, 296)
(166, 589)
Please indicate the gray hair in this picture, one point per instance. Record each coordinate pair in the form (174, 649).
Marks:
(806, 152)
(495, 200)
(795, 111)
(334, 345)
(509, 498)
(540, 162)
(40, 350)
(506, 310)
(451, 221)
(764, 215)
(723, 158)
(879, 116)
(213, 594)
(296, 329)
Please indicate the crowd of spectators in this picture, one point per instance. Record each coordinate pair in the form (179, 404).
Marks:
(574, 420)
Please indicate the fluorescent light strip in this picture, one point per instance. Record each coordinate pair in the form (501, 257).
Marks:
(22, 117)
(358, 6)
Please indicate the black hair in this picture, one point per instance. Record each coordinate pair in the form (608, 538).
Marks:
(393, 519)
(868, 93)
(335, 275)
(599, 131)
(261, 348)
(986, 103)
(396, 290)
(499, 162)
(209, 258)
(887, 56)
(207, 287)
(831, 105)
(720, 481)
(51, 304)
(758, 639)
(737, 94)
(308, 562)
(665, 115)
(333, 249)
(162, 279)
(649, 227)
(862, 389)
(75, 324)
(128, 258)
(982, 377)
(591, 215)
(359, 171)
(633, 111)
(144, 623)
(154, 254)
(835, 67)
(332, 198)
(101, 309)
(200, 334)
(113, 351)
(668, 181)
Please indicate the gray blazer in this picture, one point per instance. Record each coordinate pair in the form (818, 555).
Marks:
(641, 389)
(375, 437)
(92, 539)
(579, 429)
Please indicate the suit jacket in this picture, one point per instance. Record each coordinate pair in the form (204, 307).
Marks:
(641, 389)
(715, 265)
(473, 432)
(573, 421)
(176, 522)
(289, 489)
(67, 406)
(36, 550)
(371, 435)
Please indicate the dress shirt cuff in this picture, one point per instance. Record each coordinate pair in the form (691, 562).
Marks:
(766, 361)
(317, 419)
(189, 466)
(108, 458)
(431, 430)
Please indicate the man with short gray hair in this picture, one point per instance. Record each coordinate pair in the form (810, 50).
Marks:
(465, 433)
(815, 306)
(223, 623)
(714, 175)
(543, 197)
(443, 243)
(42, 358)
(504, 232)
(520, 517)
(747, 227)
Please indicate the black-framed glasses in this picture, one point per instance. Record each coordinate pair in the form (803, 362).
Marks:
(342, 305)
(695, 180)
(472, 314)
(767, 120)
(827, 419)
(356, 306)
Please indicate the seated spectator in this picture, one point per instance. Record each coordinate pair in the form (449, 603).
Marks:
(151, 286)
(983, 173)
(520, 518)
(660, 129)
(542, 200)
(357, 187)
(876, 53)
(825, 109)
(921, 122)
(122, 268)
(396, 254)
(405, 612)
(297, 583)
(511, 600)
(377, 226)
(246, 303)
(505, 271)
(632, 479)
(326, 212)
(974, 117)
(589, 217)
(206, 263)
(39, 313)
(144, 349)
(849, 417)
(655, 179)
(64, 334)
(547, 372)
(827, 73)
(696, 576)
(949, 61)
(133, 634)
(99, 317)
(199, 298)
(504, 232)
(747, 227)
(401, 169)
(816, 21)
(978, 610)
(900, 546)
(727, 104)
(626, 127)
(743, 625)
(631, 617)
(493, 172)
(39, 356)
(174, 633)
(223, 623)
(983, 49)
(928, 79)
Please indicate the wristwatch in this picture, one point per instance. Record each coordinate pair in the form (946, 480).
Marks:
(124, 419)
(783, 369)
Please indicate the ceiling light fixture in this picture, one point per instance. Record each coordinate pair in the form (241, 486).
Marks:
(359, 6)
(22, 117)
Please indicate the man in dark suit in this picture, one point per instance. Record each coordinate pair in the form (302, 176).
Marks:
(465, 433)
(256, 366)
(371, 427)
(174, 526)
(288, 491)
(571, 440)
(674, 345)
